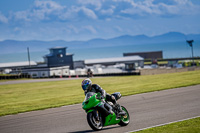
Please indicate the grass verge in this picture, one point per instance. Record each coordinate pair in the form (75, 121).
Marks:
(15, 98)
(6, 80)
(187, 126)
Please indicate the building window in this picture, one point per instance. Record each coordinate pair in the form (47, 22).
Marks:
(61, 61)
(60, 55)
(60, 51)
(130, 66)
(34, 75)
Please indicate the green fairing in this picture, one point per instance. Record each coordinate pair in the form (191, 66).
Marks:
(91, 102)
(90, 110)
(111, 119)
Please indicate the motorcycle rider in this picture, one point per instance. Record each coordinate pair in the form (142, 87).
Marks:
(87, 86)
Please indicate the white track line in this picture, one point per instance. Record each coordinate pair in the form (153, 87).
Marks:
(161, 124)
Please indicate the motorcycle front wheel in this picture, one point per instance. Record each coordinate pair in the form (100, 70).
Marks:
(124, 119)
(94, 124)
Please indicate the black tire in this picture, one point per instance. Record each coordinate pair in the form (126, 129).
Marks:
(124, 119)
(93, 123)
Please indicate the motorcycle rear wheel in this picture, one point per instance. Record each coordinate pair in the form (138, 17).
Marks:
(94, 124)
(124, 119)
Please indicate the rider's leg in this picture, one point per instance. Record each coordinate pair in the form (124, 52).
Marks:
(109, 108)
(116, 105)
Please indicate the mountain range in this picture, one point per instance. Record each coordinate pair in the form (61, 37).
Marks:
(14, 46)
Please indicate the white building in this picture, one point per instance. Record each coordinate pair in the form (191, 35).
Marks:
(130, 62)
(16, 67)
(47, 72)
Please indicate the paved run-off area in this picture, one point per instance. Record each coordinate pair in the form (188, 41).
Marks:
(145, 110)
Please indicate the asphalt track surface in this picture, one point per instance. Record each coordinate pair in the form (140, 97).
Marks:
(145, 110)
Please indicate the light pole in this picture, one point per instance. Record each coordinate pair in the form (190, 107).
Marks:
(28, 57)
(191, 45)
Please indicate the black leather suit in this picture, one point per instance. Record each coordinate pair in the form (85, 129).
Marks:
(96, 88)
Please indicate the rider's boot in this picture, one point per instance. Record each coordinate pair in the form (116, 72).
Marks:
(119, 110)
(111, 112)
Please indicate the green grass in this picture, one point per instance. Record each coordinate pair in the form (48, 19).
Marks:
(187, 126)
(4, 75)
(8, 74)
(15, 98)
(159, 62)
(5, 80)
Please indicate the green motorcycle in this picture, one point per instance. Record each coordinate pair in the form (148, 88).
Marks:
(101, 113)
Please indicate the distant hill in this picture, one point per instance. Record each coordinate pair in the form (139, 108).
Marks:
(13, 46)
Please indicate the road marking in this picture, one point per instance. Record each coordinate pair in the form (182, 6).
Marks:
(162, 124)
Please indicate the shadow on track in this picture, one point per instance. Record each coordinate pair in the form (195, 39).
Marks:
(90, 131)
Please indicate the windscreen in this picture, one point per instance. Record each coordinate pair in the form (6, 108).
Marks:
(88, 95)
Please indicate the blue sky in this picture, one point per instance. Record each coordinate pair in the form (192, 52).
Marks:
(87, 19)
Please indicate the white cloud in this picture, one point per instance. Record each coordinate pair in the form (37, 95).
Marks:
(16, 29)
(151, 7)
(142, 8)
(109, 11)
(70, 14)
(73, 29)
(88, 12)
(48, 6)
(101, 9)
(182, 1)
(118, 28)
(90, 28)
(3, 19)
(40, 11)
(50, 10)
(96, 3)
(75, 12)
(22, 15)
